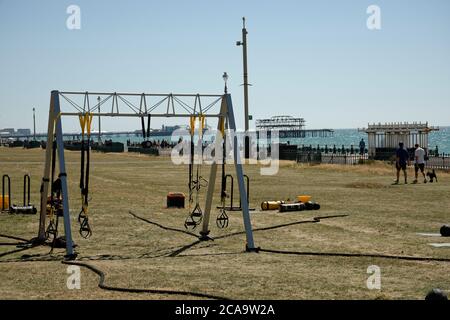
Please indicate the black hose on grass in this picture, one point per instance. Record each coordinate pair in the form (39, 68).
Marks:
(103, 286)
(209, 296)
(353, 255)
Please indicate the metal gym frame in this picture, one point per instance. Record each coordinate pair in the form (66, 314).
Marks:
(143, 110)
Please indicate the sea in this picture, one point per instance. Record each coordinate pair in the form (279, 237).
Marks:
(341, 137)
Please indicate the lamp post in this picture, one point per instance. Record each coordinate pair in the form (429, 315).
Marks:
(34, 124)
(243, 43)
(99, 122)
(223, 193)
(225, 79)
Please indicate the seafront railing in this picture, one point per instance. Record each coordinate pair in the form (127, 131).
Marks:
(440, 162)
(351, 156)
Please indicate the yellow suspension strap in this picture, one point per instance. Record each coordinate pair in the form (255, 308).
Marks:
(83, 218)
(196, 215)
(192, 125)
(191, 158)
(201, 181)
(201, 120)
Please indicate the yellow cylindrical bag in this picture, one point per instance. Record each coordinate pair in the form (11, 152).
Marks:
(303, 199)
(271, 205)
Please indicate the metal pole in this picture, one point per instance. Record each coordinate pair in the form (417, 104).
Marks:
(240, 177)
(212, 176)
(47, 165)
(246, 84)
(99, 122)
(63, 176)
(34, 124)
(244, 38)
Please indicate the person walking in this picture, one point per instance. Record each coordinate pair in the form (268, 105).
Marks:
(419, 163)
(362, 147)
(402, 161)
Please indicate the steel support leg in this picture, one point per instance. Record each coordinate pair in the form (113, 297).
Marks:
(47, 165)
(240, 177)
(212, 177)
(63, 176)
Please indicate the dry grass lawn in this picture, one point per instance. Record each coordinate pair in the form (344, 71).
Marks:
(383, 219)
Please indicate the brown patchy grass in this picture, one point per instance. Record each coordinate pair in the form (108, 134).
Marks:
(366, 185)
(383, 219)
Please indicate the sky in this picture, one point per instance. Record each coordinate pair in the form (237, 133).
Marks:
(311, 59)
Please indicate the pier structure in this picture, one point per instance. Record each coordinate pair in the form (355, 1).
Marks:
(290, 127)
(384, 138)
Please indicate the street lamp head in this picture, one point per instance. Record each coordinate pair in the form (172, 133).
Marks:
(225, 79)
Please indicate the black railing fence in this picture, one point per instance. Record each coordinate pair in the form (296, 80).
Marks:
(441, 161)
(350, 156)
(333, 149)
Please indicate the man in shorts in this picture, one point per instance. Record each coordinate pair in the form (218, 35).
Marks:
(419, 163)
(402, 161)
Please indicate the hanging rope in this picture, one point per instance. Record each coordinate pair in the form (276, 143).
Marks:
(196, 215)
(83, 217)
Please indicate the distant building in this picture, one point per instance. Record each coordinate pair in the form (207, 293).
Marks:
(384, 138)
(8, 131)
(23, 132)
(289, 127)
